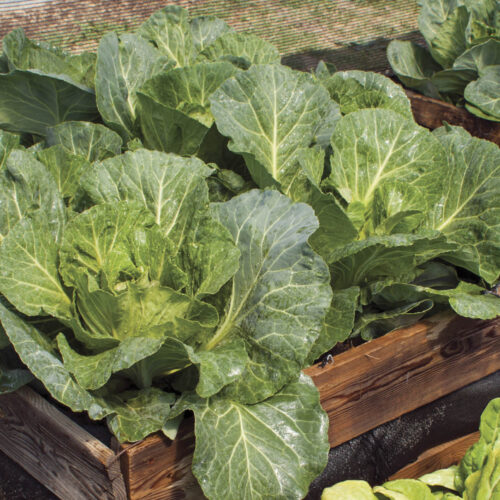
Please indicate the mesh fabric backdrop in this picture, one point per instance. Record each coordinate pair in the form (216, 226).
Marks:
(349, 33)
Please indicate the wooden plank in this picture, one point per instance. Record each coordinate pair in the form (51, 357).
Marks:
(364, 388)
(440, 457)
(432, 113)
(158, 468)
(57, 452)
(381, 380)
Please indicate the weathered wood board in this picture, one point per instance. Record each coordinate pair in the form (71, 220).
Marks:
(363, 388)
(61, 455)
(159, 468)
(381, 380)
(432, 113)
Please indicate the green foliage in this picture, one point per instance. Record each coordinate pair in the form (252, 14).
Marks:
(462, 58)
(194, 223)
(254, 431)
(385, 207)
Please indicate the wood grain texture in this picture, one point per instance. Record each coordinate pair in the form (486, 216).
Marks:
(381, 380)
(363, 388)
(432, 113)
(57, 452)
(160, 469)
(440, 457)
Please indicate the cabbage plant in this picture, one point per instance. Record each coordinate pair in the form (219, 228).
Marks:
(400, 209)
(155, 301)
(186, 224)
(461, 62)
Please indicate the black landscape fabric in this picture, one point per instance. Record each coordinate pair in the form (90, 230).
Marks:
(376, 455)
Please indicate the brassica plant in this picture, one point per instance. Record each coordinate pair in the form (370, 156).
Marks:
(399, 208)
(186, 224)
(159, 302)
(461, 63)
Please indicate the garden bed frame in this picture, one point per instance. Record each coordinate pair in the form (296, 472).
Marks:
(432, 113)
(363, 388)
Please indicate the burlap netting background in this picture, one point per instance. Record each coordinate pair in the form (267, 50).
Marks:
(349, 33)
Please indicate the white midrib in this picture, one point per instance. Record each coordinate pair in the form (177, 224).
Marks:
(380, 171)
(44, 271)
(159, 202)
(265, 425)
(130, 104)
(14, 199)
(225, 328)
(168, 50)
(229, 321)
(243, 440)
(176, 215)
(96, 246)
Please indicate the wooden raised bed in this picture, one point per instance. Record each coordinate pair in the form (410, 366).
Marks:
(363, 388)
(432, 113)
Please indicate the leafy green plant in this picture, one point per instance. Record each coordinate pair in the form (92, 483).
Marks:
(153, 292)
(461, 63)
(222, 222)
(391, 221)
(475, 478)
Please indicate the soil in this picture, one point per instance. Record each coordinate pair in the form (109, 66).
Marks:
(17, 484)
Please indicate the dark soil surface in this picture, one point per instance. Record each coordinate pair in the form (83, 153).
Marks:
(17, 484)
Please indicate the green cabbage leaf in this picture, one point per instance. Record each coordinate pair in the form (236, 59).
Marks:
(463, 39)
